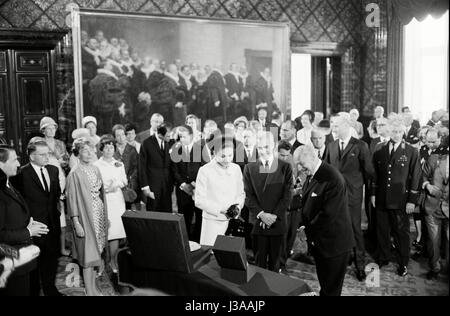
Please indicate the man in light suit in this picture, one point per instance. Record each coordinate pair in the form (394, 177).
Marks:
(268, 186)
(38, 182)
(326, 220)
(435, 185)
(352, 158)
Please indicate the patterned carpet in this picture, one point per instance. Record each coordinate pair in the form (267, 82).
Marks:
(70, 282)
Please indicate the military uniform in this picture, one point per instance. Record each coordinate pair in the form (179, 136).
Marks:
(396, 182)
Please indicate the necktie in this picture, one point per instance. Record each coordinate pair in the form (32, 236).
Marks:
(341, 150)
(266, 165)
(162, 145)
(392, 148)
(305, 186)
(318, 154)
(43, 180)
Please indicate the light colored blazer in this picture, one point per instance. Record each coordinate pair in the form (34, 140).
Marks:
(436, 172)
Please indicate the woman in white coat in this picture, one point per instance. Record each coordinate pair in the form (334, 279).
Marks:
(114, 179)
(218, 187)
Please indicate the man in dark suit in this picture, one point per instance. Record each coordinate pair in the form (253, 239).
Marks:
(288, 134)
(352, 158)
(16, 226)
(268, 184)
(187, 157)
(38, 182)
(326, 220)
(155, 176)
(412, 132)
(249, 141)
(415, 123)
(395, 192)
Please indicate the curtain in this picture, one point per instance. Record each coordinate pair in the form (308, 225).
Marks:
(400, 13)
(395, 62)
(406, 10)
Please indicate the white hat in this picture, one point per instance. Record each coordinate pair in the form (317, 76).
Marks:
(88, 119)
(80, 132)
(47, 121)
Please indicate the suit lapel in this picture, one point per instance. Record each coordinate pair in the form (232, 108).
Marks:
(310, 187)
(15, 196)
(34, 176)
(156, 144)
(347, 149)
(271, 174)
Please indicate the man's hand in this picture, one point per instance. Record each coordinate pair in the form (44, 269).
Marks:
(149, 193)
(36, 228)
(217, 103)
(268, 219)
(179, 105)
(372, 200)
(410, 208)
(434, 190)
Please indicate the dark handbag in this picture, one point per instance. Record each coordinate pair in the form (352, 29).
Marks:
(239, 228)
(129, 194)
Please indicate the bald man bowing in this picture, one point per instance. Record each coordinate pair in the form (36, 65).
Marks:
(326, 218)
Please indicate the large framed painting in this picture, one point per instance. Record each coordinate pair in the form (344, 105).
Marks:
(131, 65)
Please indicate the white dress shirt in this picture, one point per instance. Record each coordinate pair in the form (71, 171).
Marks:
(316, 168)
(37, 169)
(393, 146)
(321, 151)
(217, 188)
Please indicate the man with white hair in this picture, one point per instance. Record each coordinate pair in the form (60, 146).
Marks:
(318, 140)
(155, 121)
(268, 184)
(351, 156)
(395, 193)
(354, 115)
(326, 219)
(378, 112)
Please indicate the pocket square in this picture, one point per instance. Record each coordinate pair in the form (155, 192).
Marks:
(313, 194)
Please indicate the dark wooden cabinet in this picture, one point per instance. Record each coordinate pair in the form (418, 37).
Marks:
(27, 84)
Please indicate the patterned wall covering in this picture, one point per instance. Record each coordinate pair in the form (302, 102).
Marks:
(374, 65)
(310, 20)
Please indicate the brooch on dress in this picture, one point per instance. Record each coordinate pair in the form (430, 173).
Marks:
(117, 164)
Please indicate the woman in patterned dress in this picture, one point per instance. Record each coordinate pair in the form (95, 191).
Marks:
(84, 192)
